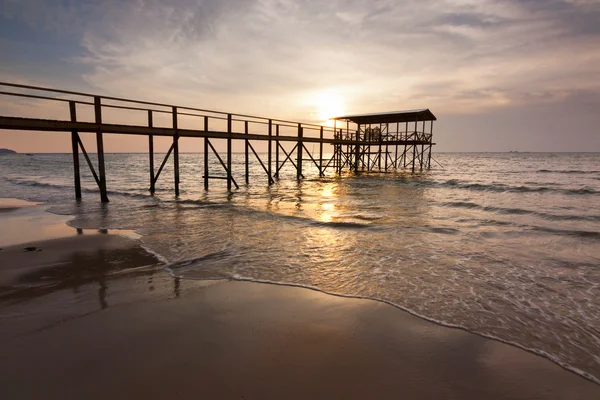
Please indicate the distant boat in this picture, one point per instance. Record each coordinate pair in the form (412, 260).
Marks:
(513, 151)
(28, 154)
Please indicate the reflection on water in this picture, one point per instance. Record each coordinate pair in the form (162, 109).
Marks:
(505, 245)
(77, 269)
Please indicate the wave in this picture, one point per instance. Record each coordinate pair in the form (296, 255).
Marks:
(539, 352)
(83, 189)
(519, 211)
(565, 171)
(502, 188)
(581, 234)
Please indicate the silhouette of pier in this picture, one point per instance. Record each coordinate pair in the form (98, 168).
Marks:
(365, 142)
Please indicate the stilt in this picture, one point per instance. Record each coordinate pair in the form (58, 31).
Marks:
(379, 152)
(414, 156)
(247, 168)
(429, 158)
(206, 155)
(100, 150)
(75, 147)
(277, 151)
(299, 166)
(151, 153)
(270, 147)
(320, 151)
(175, 151)
(229, 152)
(430, 140)
(357, 150)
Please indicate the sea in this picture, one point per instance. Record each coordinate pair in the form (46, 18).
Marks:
(505, 245)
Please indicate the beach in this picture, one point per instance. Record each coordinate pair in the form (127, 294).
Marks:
(93, 315)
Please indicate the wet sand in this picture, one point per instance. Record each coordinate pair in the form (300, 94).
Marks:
(95, 317)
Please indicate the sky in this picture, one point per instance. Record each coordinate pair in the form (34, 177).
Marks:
(500, 75)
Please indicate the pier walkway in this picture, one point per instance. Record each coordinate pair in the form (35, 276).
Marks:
(365, 142)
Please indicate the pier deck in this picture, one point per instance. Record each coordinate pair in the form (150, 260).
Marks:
(362, 145)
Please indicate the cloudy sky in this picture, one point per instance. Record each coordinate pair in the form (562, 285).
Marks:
(499, 74)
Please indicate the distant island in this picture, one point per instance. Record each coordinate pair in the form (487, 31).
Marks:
(7, 151)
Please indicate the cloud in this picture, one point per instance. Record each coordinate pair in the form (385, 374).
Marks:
(279, 57)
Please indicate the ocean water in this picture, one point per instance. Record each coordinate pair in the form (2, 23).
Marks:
(505, 245)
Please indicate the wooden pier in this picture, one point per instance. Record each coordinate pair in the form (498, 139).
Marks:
(366, 142)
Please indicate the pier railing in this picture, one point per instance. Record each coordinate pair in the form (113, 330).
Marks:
(114, 115)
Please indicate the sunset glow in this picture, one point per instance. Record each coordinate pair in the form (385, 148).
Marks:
(480, 66)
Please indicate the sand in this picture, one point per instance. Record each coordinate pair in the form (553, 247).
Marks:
(93, 316)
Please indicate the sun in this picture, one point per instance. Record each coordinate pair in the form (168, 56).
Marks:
(327, 104)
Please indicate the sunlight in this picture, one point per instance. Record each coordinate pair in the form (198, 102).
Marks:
(326, 104)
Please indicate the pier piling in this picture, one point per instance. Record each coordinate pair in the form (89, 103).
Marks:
(75, 147)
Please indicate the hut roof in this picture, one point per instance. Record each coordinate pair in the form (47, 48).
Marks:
(387, 117)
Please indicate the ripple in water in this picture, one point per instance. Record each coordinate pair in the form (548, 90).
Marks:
(507, 246)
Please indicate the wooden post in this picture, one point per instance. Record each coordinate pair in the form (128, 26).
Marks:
(414, 156)
(387, 131)
(321, 153)
(396, 152)
(100, 150)
(335, 148)
(151, 153)
(277, 152)
(430, 141)
(247, 172)
(206, 154)
(229, 152)
(340, 154)
(269, 157)
(175, 150)
(379, 152)
(405, 147)
(357, 150)
(75, 147)
(299, 166)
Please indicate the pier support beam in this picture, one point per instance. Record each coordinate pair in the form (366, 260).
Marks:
(100, 150)
(270, 156)
(321, 153)
(229, 152)
(176, 151)
(206, 154)
(151, 153)
(247, 167)
(300, 146)
(75, 147)
(277, 151)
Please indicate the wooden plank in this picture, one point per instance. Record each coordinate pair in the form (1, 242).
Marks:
(89, 162)
(271, 181)
(162, 165)
(42, 125)
(229, 178)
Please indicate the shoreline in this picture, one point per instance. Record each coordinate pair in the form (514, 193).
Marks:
(535, 352)
(140, 331)
(68, 248)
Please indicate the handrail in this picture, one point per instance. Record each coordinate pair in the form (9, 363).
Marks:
(260, 120)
